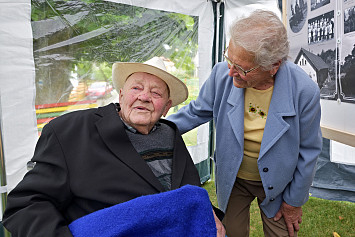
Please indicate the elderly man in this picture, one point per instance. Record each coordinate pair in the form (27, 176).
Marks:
(93, 159)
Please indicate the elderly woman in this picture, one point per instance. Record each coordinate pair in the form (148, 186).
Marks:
(266, 112)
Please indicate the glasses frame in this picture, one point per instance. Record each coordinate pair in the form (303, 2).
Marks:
(236, 66)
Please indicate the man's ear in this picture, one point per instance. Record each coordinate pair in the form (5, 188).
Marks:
(120, 94)
(167, 107)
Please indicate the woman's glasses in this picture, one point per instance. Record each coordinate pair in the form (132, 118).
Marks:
(239, 69)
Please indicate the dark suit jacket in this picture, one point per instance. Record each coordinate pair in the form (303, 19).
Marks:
(85, 162)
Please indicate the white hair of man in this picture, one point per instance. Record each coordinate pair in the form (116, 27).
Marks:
(263, 34)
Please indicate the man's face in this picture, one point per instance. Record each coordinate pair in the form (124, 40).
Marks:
(144, 98)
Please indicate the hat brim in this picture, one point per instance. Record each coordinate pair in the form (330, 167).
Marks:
(122, 70)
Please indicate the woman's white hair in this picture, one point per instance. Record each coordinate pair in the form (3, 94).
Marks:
(263, 34)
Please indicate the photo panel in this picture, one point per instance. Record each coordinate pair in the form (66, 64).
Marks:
(349, 20)
(315, 4)
(321, 28)
(314, 48)
(347, 53)
(298, 14)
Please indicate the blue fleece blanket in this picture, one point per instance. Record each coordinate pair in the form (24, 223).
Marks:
(186, 211)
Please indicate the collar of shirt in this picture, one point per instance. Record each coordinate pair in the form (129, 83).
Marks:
(133, 130)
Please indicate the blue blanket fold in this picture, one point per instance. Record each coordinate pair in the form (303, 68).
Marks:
(186, 211)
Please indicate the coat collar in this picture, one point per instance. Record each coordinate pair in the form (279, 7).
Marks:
(112, 132)
(281, 105)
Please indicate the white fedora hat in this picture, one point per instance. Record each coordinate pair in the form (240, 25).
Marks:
(155, 66)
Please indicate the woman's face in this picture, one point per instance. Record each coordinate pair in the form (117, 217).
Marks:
(257, 78)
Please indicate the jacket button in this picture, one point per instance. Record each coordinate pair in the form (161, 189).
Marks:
(270, 187)
(266, 169)
(272, 199)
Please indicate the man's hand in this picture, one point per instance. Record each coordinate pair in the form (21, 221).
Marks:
(221, 232)
(292, 216)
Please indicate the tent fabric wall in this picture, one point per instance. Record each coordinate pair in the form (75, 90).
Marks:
(235, 9)
(333, 181)
(17, 89)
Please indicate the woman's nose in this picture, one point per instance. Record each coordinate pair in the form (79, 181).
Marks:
(232, 71)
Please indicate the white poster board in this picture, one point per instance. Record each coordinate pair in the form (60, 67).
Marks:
(322, 44)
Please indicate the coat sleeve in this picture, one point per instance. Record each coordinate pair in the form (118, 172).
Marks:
(35, 205)
(297, 192)
(198, 111)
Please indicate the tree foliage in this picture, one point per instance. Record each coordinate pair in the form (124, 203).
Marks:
(86, 37)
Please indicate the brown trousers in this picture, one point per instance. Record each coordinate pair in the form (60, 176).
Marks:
(237, 217)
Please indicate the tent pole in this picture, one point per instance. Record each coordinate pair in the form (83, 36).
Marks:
(3, 187)
(284, 13)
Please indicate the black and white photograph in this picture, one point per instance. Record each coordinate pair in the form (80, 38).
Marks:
(347, 71)
(320, 66)
(298, 14)
(318, 3)
(349, 20)
(321, 28)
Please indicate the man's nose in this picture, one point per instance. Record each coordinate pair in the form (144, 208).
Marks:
(145, 96)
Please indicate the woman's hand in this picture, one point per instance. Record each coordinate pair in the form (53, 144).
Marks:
(292, 216)
(221, 231)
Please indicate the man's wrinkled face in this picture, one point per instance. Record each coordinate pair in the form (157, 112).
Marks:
(144, 98)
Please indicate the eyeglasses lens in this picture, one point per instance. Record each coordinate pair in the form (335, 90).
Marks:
(234, 66)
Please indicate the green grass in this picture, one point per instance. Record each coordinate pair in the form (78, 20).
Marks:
(320, 217)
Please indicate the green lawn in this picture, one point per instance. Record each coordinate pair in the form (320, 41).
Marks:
(320, 217)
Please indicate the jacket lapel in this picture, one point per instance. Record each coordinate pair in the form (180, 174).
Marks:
(179, 160)
(281, 105)
(236, 116)
(112, 132)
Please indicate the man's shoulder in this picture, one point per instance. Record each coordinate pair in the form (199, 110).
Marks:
(80, 115)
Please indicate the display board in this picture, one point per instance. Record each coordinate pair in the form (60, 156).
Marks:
(322, 39)
(322, 36)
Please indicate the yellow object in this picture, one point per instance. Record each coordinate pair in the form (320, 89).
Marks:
(335, 234)
(79, 92)
(256, 108)
(65, 108)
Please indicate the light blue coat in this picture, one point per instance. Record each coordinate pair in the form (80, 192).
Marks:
(291, 142)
